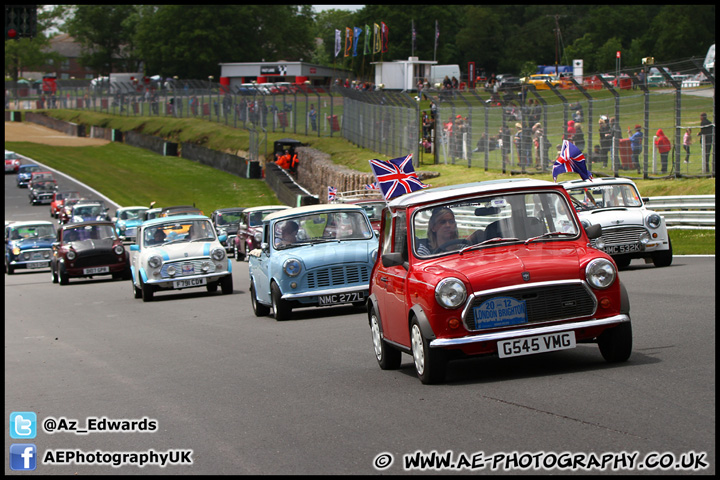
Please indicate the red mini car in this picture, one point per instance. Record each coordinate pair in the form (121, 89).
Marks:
(88, 249)
(501, 267)
(58, 201)
(249, 229)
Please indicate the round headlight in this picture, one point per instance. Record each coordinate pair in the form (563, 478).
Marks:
(71, 255)
(373, 255)
(218, 254)
(292, 267)
(258, 238)
(26, 256)
(644, 238)
(654, 220)
(119, 249)
(600, 273)
(450, 293)
(171, 271)
(155, 261)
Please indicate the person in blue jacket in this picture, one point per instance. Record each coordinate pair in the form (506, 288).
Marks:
(636, 140)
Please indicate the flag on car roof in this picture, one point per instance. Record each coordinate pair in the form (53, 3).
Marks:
(396, 177)
(372, 186)
(332, 194)
(570, 160)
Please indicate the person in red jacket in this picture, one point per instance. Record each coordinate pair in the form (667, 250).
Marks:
(663, 145)
(284, 161)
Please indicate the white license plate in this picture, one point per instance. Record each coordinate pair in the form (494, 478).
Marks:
(538, 344)
(38, 265)
(340, 298)
(617, 249)
(189, 282)
(95, 270)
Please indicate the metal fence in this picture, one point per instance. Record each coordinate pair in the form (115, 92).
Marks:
(511, 131)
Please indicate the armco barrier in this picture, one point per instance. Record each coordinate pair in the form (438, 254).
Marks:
(686, 211)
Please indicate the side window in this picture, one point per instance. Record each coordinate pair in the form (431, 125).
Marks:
(400, 245)
(387, 233)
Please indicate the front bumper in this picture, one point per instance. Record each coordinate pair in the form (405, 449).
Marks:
(525, 332)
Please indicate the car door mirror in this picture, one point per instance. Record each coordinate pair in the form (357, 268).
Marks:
(265, 247)
(392, 259)
(594, 231)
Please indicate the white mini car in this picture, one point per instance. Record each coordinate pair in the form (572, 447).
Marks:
(178, 252)
(629, 229)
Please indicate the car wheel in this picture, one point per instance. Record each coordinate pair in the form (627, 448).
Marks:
(226, 284)
(429, 363)
(137, 293)
(622, 261)
(9, 268)
(387, 357)
(259, 309)
(53, 274)
(212, 287)
(664, 257)
(62, 275)
(281, 307)
(147, 291)
(616, 343)
(236, 254)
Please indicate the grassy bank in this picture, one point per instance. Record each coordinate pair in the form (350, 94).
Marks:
(132, 176)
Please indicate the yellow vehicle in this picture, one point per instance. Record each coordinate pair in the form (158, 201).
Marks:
(540, 79)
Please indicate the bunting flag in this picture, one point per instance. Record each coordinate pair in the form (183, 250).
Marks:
(396, 177)
(348, 40)
(385, 34)
(332, 194)
(377, 43)
(570, 160)
(338, 42)
(367, 48)
(356, 37)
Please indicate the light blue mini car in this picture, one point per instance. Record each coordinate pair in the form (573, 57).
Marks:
(315, 255)
(127, 220)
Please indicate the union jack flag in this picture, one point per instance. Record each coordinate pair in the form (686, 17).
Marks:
(570, 160)
(396, 177)
(332, 194)
(372, 186)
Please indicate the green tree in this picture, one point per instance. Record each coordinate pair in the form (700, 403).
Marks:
(106, 33)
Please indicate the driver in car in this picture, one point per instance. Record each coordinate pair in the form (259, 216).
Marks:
(442, 233)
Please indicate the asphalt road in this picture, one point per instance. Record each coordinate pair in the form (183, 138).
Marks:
(250, 395)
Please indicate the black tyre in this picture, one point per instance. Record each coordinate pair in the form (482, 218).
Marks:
(62, 275)
(212, 287)
(226, 284)
(616, 343)
(387, 357)
(663, 258)
(429, 363)
(240, 255)
(53, 274)
(137, 293)
(260, 309)
(9, 269)
(281, 307)
(147, 291)
(622, 261)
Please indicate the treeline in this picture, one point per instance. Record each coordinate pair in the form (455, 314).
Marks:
(190, 41)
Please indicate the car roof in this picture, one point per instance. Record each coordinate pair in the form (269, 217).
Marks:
(265, 207)
(133, 207)
(26, 223)
(174, 218)
(29, 165)
(597, 182)
(84, 224)
(230, 209)
(307, 209)
(430, 195)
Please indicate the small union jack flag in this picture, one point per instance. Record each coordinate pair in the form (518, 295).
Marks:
(570, 160)
(332, 194)
(396, 177)
(372, 186)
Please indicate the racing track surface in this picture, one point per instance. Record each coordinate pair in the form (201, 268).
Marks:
(253, 396)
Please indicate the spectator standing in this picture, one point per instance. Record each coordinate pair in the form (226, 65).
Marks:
(579, 137)
(636, 145)
(313, 117)
(662, 143)
(425, 118)
(605, 139)
(615, 137)
(687, 141)
(505, 144)
(707, 130)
